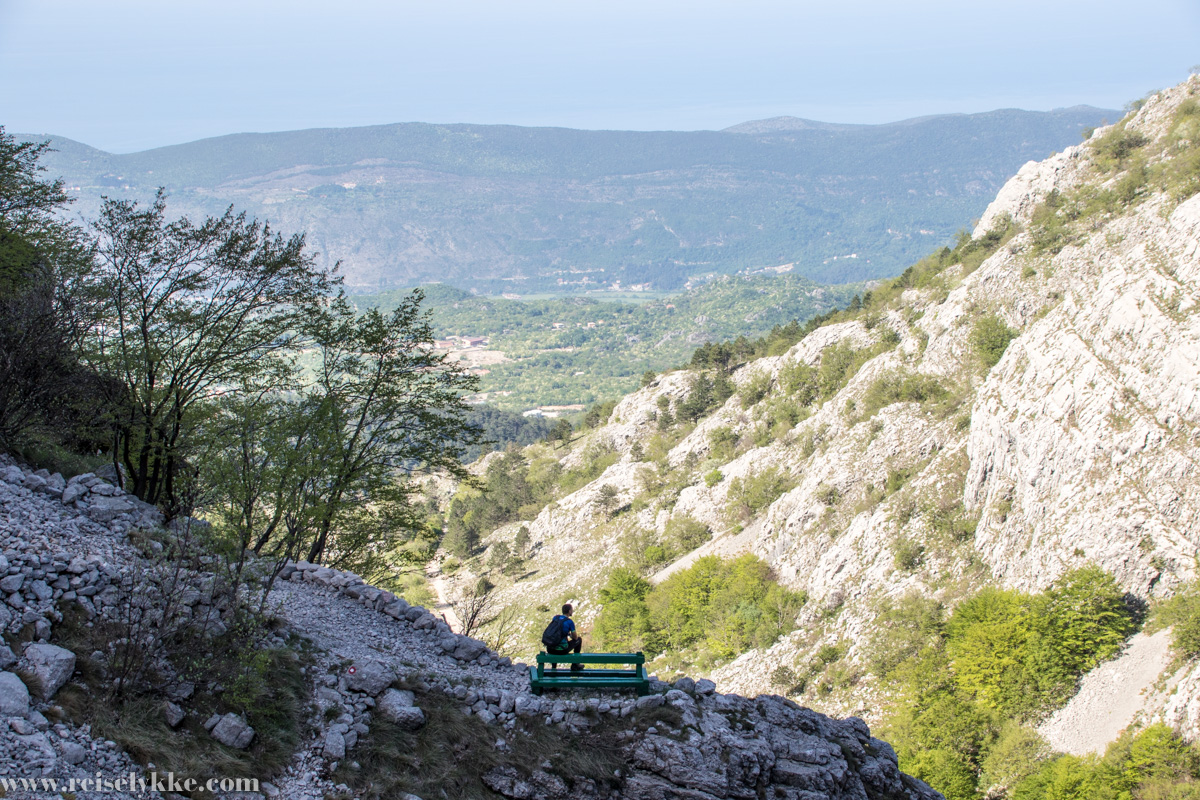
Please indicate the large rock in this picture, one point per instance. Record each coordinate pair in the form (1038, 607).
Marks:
(335, 745)
(398, 706)
(14, 696)
(7, 659)
(53, 666)
(369, 677)
(469, 649)
(73, 492)
(233, 731)
(106, 509)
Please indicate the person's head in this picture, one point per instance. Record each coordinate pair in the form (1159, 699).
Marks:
(567, 610)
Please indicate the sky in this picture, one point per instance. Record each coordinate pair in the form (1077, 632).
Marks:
(126, 75)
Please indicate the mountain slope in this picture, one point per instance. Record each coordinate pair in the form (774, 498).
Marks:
(998, 416)
(502, 208)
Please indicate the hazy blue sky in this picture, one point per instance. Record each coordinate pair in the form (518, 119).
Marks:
(129, 74)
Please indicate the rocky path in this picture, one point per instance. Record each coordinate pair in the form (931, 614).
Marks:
(437, 582)
(1111, 697)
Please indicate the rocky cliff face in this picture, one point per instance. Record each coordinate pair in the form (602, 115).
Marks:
(1078, 446)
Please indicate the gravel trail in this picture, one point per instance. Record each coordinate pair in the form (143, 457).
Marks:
(1110, 697)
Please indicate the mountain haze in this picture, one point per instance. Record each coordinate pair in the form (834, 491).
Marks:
(503, 208)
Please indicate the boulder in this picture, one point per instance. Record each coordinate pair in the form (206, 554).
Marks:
(53, 666)
(7, 659)
(398, 706)
(370, 677)
(335, 745)
(527, 705)
(233, 731)
(73, 753)
(685, 684)
(650, 701)
(396, 610)
(705, 686)
(106, 509)
(14, 696)
(173, 714)
(469, 649)
(109, 473)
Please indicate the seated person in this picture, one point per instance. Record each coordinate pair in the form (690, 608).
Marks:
(571, 641)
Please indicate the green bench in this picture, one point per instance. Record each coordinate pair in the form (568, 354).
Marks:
(633, 676)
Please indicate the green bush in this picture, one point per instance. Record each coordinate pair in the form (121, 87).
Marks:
(909, 554)
(754, 389)
(989, 338)
(684, 533)
(898, 386)
(722, 442)
(721, 607)
(1182, 613)
(713, 477)
(750, 495)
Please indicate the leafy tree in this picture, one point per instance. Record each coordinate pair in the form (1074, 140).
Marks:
(388, 408)
(1182, 613)
(685, 533)
(607, 498)
(46, 305)
(988, 641)
(190, 310)
(624, 621)
(1079, 622)
(521, 542)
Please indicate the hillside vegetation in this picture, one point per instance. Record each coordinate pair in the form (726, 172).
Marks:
(503, 209)
(582, 351)
(952, 498)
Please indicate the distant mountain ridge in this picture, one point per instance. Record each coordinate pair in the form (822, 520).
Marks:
(504, 208)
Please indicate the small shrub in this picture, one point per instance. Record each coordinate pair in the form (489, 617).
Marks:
(828, 495)
(754, 493)
(908, 554)
(754, 389)
(990, 338)
(684, 533)
(722, 442)
(901, 387)
(712, 478)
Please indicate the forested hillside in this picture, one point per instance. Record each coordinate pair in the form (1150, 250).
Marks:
(504, 209)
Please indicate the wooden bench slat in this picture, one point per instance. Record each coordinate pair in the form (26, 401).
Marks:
(635, 679)
(591, 658)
